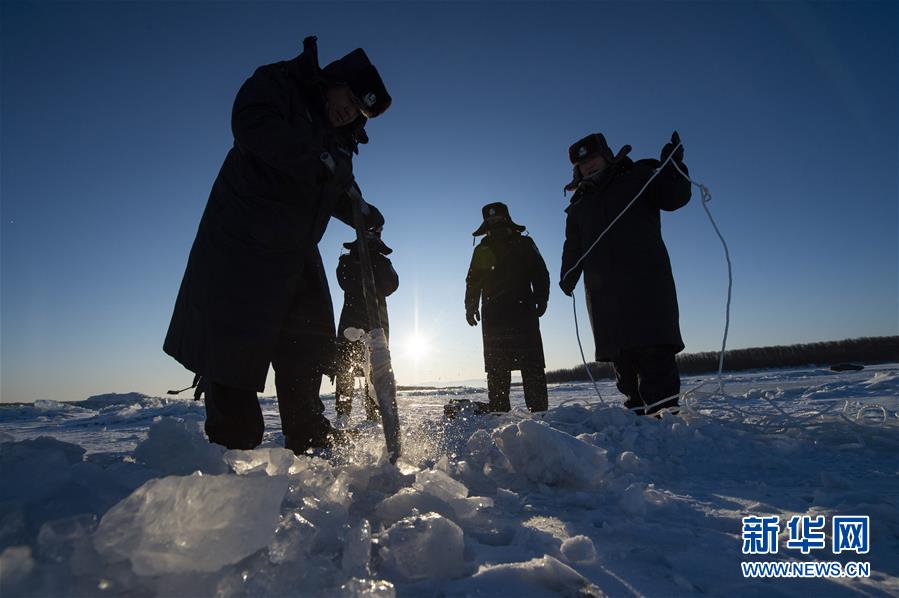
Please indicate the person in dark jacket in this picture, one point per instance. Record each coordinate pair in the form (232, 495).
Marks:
(254, 291)
(351, 354)
(628, 283)
(508, 278)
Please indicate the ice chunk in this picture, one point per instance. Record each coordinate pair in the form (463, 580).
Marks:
(357, 549)
(57, 539)
(469, 507)
(34, 469)
(437, 483)
(327, 509)
(628, 462)
(579, 549)
(46, 480)
(492, 531)
(480, 445)
(549, 456)
(293, 539)
(423, 547)
(535, 577)
(195, 523)
(273, 461)
(353, 334)
(177, 447)
(472, 475)
(16, 565)
(410, 500)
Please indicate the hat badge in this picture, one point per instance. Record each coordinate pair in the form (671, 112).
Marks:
(370, 99)
(582, 151)
(492, 211)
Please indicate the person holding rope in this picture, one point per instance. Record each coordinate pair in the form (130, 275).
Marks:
(254, 290)
(629, 287)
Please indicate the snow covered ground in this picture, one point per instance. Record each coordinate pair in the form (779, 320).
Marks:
(102, 498)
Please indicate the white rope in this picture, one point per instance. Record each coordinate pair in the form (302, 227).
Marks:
(781, 419)
(706, 197)
(577, 333)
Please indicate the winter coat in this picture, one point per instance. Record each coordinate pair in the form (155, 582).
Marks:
(349, 276)
(631, 298)
(254, 271)
(508, 277)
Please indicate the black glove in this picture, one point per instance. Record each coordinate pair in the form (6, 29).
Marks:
(473, 316)
(669, 147)
(541, 308)
(568, 285)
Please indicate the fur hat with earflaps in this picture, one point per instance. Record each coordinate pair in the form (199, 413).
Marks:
(356, 71)
(588, 147)
(496, 215)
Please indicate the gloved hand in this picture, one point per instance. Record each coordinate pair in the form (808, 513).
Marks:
(541, 308)
(568, 285)
(669, 147)
(473, 317)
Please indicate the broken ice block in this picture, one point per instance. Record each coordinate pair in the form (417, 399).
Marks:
(549, 456)
(195, 523)
(437, 483)
(423, 547)
(357, 549)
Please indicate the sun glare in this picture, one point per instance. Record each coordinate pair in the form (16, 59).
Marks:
(417, 347)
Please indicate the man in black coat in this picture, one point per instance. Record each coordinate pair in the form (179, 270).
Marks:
(628, 283)
(254, 291)
(508, 278)
(350, 354)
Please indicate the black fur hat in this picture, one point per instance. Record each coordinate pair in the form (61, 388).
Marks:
(593, 144)
(496, 215)
(584, 149)
(357, 71)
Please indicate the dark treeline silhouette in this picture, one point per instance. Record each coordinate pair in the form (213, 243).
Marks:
(866, 351)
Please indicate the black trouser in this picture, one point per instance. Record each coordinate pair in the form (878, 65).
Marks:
(533, 380)
(350, 357)
(646, 375)
(234, 417)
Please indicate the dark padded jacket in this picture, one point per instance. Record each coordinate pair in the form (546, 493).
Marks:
(254, 273)
(508, 277)
(628, 283)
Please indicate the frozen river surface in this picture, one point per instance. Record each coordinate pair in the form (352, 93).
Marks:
(121, 495)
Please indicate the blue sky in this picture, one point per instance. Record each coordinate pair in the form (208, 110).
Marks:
(114, 120)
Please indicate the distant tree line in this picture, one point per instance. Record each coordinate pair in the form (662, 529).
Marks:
(863, 351)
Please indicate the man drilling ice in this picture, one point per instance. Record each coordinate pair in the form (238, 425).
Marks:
(254, 291)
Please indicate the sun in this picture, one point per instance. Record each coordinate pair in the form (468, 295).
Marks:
(417, 346)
